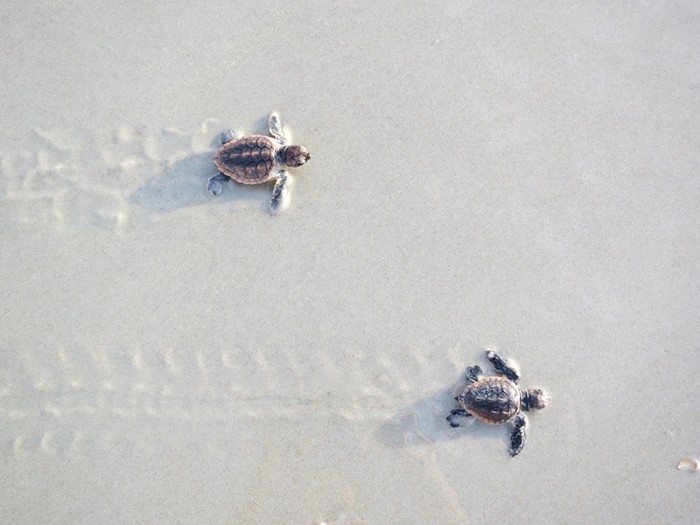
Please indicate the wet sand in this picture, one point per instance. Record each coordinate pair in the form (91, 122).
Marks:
(520, 178)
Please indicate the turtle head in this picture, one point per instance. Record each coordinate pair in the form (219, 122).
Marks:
(534, 399)
(295, 156)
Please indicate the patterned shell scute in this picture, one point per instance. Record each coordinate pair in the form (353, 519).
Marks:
(492, 400)
(248, 160)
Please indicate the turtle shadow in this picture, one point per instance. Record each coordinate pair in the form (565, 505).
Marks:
(424, 423)
(184, 185)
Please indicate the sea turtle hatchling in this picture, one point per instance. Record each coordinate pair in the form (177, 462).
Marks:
(497, 400)
(255, 159)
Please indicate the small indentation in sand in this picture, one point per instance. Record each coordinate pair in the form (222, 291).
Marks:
(341, 519)
(137, 360)
(46, 443)
(52, 409)
(202, 364)
(170, 361)
(16, 414)
(77, 441)
(125, 133)
(141, 388)
(226, 359)
(17, 444)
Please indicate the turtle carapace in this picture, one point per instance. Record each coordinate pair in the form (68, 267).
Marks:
(498, 399)
(255, 159)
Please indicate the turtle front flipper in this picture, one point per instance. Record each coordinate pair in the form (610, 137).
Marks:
(280, 193)
(473, 374)
(503, 366)
(276, 128)
(456, 412)
(517, 435)
(215, 184)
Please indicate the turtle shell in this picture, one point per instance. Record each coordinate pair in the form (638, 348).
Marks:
(492, 400)
(248, 160)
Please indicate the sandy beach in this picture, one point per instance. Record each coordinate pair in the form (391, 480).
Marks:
(522, 178)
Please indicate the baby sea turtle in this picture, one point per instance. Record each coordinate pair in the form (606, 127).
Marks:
(497, 400)
(255, 159)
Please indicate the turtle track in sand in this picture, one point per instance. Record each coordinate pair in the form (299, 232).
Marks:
(117, 179)
(69, 399)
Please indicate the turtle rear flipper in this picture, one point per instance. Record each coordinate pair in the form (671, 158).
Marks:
(215, 184)
(456, 412)
(227, 136)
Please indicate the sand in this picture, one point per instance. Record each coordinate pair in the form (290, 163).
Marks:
(483, 176)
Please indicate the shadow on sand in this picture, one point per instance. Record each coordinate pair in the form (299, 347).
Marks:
(424, 423)
(184, 184)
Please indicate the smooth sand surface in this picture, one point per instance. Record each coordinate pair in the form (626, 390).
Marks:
(507, 176)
